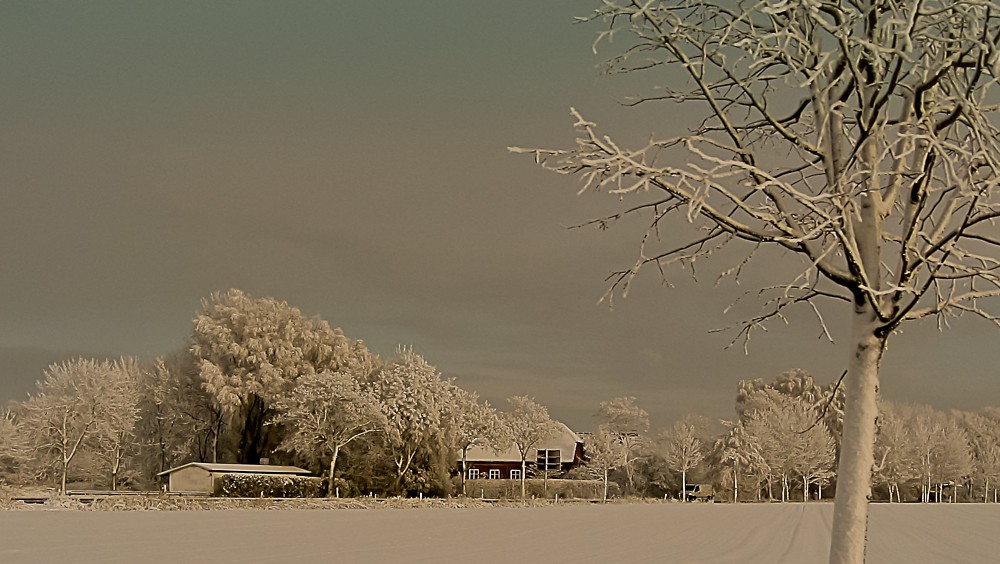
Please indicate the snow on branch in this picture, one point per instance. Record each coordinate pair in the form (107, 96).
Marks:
(874, 156)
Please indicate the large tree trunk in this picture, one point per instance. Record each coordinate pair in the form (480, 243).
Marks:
(62, 483)
(857, 453)
(254, 435)
(331, 487)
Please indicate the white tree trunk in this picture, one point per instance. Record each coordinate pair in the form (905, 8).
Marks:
(331, 488)
(736, 484)
(857, 453)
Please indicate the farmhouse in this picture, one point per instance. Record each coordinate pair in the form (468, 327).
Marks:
(556, 455)
(201, 476)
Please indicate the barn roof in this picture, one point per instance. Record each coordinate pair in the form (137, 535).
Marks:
(240, 468)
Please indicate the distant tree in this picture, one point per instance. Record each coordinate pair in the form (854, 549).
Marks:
(652, 475)
(827, 401)
(941, 449)
(472, 424)
(927, 436)
(14, 448)
(324, 413)
(742, 451)
(682, 450)
(114, 436)
(898, 461)
(415, 398)
(630, 422)
(252, 350)
(159, 422)
(605, 452)
(983, 430)
(76, 401)
(857, 139)
(527, 423)
(787, 436)
(953, 463)
(179, 421)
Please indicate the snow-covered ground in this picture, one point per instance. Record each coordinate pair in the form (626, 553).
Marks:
(769, 533)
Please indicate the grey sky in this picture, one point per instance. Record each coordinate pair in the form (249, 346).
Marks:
(351, 159)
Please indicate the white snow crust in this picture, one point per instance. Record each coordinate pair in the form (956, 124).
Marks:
(696, 533)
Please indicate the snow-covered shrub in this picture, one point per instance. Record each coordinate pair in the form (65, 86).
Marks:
(263, 485)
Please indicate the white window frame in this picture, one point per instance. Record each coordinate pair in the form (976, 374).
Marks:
(473, 473)
(494, 473)
(544, 454)
(515, 474)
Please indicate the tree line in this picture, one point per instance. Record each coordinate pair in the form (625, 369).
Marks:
(259, 380)
(784, 442)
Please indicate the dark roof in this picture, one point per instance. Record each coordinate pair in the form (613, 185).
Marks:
(240, 468)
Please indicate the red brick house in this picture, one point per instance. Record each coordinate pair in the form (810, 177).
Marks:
(560, 453)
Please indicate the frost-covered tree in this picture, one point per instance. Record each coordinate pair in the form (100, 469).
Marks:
(252, 350)
(827, 401)
(983, 431)
(115, 440)
(527, 423)
(324, 413)
(605, 452)
(472, 423)
(14, 448)
(954, 462)
(740, 450)
(897, 459)
(859, 137)
(791, 441)
(927, 436)
(416, 399)
(941, 447)
(682, 449)
(180, 422)
(630, 422)
(76, 402)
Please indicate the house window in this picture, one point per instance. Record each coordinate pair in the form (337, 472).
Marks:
(494, 473)
(473, 473)
(515, 474)
(548, 460)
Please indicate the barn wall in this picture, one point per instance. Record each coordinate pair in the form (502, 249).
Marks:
(191, 479)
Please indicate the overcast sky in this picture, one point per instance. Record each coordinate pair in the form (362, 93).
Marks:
(350, 158)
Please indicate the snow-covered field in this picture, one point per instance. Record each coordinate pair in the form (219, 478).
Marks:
(769, 533)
